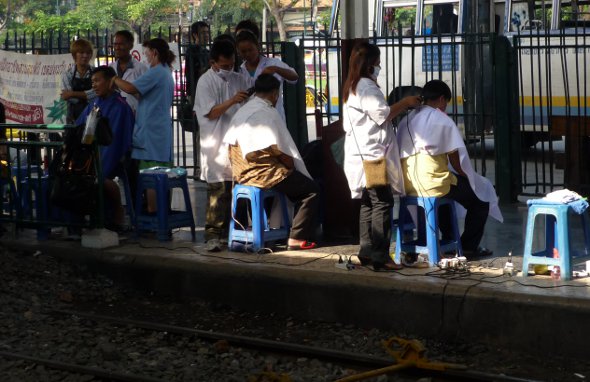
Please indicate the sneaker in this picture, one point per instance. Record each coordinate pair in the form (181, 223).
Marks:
(213, 245)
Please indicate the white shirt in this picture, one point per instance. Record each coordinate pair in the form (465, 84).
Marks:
(263, 63)
(134, 70)
(364, 119)
(430, 131)
(212, 90)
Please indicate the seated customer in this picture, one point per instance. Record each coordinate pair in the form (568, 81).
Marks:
(120, 116)
(263, 154)
(429, 141)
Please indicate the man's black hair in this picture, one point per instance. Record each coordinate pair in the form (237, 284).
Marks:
(222, 48)
(434, 89)
(266, 83)
(126, 35)
(106, 71)
(196, 26)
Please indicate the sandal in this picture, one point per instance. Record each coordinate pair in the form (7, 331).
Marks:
(302, 246)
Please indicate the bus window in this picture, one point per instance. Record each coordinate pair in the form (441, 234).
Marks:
(575, 15)
(399, 20)
(440, 18)
(530, 15)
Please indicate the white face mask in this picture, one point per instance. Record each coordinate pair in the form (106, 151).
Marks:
(223, 73)
(376, 70)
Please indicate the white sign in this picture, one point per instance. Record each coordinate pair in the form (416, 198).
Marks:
(30, 87)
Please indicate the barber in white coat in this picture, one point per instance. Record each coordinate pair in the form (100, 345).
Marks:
(369, 135)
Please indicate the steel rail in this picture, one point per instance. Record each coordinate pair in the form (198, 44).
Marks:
(86, 370)
(341, 357)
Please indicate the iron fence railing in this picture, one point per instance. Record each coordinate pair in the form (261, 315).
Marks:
(554, 108)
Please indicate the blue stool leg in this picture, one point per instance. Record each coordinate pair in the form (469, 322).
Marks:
(563, 244)
(258, 223)
(528, 242)
(432, 243)
(401, 220)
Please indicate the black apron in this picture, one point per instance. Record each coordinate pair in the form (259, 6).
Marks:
(78, 85)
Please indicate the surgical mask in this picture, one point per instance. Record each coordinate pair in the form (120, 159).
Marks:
(223, 73)
(376, 70)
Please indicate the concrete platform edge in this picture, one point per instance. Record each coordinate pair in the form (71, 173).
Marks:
(449, 312)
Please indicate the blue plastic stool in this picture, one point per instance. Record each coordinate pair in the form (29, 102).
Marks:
(427, 225)
(163, 181)
(260, 232)
(556, 236)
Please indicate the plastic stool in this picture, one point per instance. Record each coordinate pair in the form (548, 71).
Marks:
(260, 232)
(163, 181)
(556, 236)
(427, 226)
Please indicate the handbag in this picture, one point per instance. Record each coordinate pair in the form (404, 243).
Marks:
(375, 169)
(375, 172)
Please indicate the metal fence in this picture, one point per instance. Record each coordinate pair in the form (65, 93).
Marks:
(408, 63)
(554, 108)
(186, 152)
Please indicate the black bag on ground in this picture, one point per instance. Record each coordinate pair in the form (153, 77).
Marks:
(74, 184)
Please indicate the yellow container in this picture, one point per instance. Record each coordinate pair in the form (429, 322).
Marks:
(541, 269)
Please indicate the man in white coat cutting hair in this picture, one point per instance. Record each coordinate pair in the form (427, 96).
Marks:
(435, 163)
(220, 92)
(263, 154)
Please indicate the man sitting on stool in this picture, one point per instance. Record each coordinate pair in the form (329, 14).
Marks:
(263, 154)
(429, 141)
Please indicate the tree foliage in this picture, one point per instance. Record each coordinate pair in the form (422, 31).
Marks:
(223, 15)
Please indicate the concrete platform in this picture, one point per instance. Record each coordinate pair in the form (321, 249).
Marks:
(535, 314)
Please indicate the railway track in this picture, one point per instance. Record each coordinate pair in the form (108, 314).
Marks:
(366, 365)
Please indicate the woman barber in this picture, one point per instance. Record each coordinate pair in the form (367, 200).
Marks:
(370, 136)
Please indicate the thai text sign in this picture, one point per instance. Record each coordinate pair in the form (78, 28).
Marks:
(30, 87)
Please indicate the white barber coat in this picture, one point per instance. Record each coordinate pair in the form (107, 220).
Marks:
(258, 125)
(364, 118)
(430, 131)
(212, 90)
(263, 63)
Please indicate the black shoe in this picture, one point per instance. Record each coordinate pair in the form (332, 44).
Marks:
(477, 254)
(365, 260)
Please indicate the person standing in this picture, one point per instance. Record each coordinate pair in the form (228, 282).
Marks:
(369, 135)
(76, 81)
(256, 64)
(197, 57)
(127, 67)
(152, 132)
(220, 92)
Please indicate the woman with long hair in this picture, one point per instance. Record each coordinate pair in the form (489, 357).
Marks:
(152, 133)
(369, 136)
